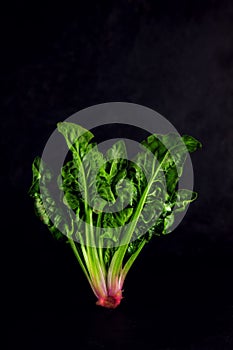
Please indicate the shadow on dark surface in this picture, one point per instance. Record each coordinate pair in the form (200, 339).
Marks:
(176, 58)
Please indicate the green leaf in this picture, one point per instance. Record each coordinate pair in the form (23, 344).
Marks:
(112, 171)
(169, 152)
(48, 211)
(182, 198)
(191, 143)
(77, 137)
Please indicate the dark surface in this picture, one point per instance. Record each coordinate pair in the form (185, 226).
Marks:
(175, 57)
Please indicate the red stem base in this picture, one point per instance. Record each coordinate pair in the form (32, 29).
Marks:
(110, 301)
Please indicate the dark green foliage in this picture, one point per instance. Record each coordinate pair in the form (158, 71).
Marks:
(143, 190)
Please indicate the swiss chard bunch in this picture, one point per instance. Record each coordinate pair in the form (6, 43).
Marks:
(109, 207)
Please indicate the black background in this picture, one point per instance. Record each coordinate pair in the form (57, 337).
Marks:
(175, 57)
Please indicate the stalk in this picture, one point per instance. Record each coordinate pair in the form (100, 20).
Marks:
(118, 257)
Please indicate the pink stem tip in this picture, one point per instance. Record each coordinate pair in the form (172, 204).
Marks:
(110, 301)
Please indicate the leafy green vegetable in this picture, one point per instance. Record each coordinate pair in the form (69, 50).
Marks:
(109, 206)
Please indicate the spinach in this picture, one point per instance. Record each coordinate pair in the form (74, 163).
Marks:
(109, 206)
